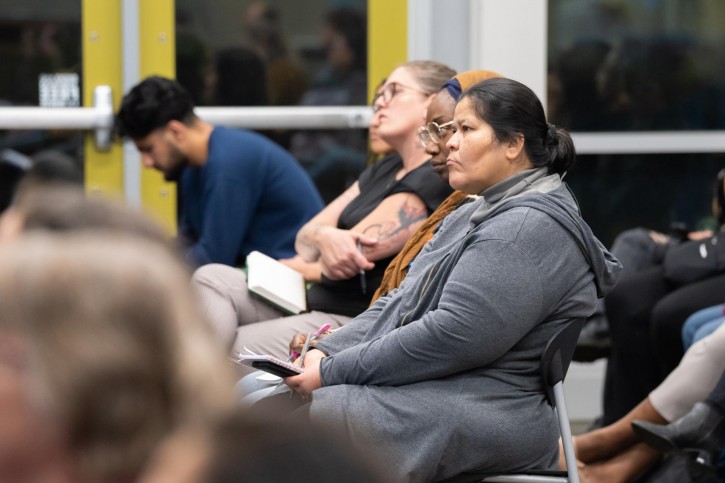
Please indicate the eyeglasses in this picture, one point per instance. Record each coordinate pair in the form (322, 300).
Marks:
(432, 132)
(389, 91)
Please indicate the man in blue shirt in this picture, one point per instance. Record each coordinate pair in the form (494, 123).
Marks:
(239, 191)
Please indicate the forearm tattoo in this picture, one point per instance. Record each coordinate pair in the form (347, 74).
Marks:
(391, 233)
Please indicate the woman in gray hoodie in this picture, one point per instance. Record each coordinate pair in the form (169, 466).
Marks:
(441, 376)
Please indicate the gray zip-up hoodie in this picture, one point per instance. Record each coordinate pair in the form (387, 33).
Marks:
(442, 375)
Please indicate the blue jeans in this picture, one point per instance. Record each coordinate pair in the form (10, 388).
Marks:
(255, 386)
(701, 323)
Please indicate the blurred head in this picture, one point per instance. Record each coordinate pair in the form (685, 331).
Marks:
(106, 355)
(240, 78)
(254, 449)
(499, 130)
(13, 166)
(63, 208)
(345, 37)
(52, 166)
(46, 168)
(439, 117)
(262, 23)
(405, 97)
(156, 115)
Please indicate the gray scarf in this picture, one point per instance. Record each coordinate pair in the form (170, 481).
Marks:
(526, 181)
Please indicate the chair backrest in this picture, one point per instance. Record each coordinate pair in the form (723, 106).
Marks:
(557, 356)
(555, 362)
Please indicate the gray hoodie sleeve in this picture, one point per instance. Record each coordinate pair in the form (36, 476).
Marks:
(354, 331)
(492, 298)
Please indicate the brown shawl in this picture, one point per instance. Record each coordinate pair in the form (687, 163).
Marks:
(398, 267)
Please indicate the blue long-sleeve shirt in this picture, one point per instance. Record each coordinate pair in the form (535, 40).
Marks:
(249, 195)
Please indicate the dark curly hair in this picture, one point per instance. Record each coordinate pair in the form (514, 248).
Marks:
(151, 104)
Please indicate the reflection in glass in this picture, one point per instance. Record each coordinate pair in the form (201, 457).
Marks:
(621, 65)
(618, 192)
(282, 53)
(39, 40)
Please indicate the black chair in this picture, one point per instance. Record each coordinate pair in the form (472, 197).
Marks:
(555, 362)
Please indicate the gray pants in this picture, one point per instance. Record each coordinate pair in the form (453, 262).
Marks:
(241, 321)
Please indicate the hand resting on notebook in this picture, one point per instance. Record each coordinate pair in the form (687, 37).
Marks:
(309, 380)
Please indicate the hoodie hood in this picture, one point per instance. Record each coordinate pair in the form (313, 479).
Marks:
(548, 194)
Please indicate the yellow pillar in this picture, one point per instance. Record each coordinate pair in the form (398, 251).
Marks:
(387, 39)
(158, 57)
(101, 31)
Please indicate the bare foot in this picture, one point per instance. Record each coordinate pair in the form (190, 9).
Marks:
(562, 458)
(600, 472)
(621, 468)
(602, 444)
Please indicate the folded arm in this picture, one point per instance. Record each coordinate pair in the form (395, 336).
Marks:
(306, 240)
(381, 234)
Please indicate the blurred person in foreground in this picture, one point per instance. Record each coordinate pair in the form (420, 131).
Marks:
(102, 352)
(241, 447)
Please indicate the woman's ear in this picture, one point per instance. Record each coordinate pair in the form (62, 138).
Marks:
(515, 147)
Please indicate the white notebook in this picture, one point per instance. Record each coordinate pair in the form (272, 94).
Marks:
(276, 283)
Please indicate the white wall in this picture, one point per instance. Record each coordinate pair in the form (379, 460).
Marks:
(509, 37)
(438, 30)
(583, 389)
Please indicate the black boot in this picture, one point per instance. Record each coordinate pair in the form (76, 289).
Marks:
(703, 428)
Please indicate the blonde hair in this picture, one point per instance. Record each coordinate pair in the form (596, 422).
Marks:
(429, 74)
(116, 350)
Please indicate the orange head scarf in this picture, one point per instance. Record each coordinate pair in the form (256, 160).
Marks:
(459, 83)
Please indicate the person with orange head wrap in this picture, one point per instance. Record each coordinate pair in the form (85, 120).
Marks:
(433, 136)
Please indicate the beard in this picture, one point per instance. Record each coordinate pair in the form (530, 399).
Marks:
(177, 164)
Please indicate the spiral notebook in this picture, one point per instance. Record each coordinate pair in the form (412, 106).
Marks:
(270, 364)
(276, 283)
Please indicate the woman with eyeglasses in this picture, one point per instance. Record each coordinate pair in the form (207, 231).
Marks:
(360, 231)
(441, 375)
(433, 136)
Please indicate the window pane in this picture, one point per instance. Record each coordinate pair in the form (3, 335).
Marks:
(40, 54)
(617, 192)
(282, 53)
(622, 65)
